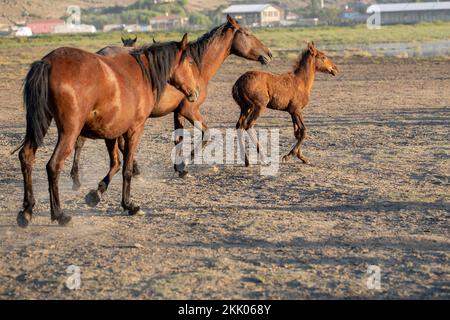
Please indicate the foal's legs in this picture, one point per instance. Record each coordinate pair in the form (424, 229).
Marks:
(74, 173)
(132, 138)
(250, 127)
(136, 170)
(27, 156)
(247, 123)
(94, 196)
(66, 142)
(300, 134)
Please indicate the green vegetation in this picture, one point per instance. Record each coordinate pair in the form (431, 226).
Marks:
(273, 37)
(330, 15)
(137, 13)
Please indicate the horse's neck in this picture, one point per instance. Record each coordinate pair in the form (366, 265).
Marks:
(305, 77)
(216, 54)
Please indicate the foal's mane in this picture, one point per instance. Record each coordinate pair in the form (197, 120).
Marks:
(161, 58)
(196, 49)
(302, 65)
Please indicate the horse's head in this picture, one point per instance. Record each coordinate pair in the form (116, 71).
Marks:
(185, 72)
(128, 42)
(322, 61)
(246, 45)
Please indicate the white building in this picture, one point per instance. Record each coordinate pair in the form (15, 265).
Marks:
(255, 15)
(413, 12)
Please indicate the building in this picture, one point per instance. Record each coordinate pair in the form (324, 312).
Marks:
(75, 28)
(44, 26)
(411, 12)
(113, 27)
(255, 15)
(167, 22)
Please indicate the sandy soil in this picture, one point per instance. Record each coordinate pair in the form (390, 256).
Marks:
(376, 194)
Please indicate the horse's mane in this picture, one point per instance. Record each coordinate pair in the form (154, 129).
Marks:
(160, 57)
(196, 49)
(302, 65)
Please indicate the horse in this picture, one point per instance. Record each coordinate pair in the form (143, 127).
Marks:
(255, 91)
(209, 52)
(128, 42)
(97, 97)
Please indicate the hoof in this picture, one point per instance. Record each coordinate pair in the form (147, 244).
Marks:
(183, 174)
(23, 219)
(285, 159)
(135, 211)
(180, 167)
(64, 220)
(92, 198)
(76, 185)
(306, 161)
(136, 171)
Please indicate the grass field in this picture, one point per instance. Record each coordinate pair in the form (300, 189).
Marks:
(288, 38)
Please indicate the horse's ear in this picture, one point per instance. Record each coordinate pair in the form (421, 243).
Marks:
(135, 39)
(123, 40)
(312, 49)
(233, 22)
(154, 41)
(184, 42)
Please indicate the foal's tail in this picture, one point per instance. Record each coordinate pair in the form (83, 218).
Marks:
(235, 93)
(36, 101)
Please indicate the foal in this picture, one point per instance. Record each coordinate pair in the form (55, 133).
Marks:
(255, 91)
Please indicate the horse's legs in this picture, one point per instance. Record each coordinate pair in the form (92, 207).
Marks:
(240, 125)
(196, 118)
(300, 135)
(27, 156)
(251, 120)
(74, 173)
(179, 121)
(131, 142)
(136, 170)
(94, 196)
(66, 142)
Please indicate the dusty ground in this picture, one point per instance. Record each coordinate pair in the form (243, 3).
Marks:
(377, 194)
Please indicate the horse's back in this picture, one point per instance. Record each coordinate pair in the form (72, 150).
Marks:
(114, 50)
(263, 89)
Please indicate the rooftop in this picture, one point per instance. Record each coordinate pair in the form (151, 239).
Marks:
(401, 7)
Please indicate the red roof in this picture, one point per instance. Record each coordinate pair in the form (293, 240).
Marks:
(44, 26)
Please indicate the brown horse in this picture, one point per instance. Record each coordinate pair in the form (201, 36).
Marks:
(98, 97)
(128, 44)
(255, 91)
(209, 52)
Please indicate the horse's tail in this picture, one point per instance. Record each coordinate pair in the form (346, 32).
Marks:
(36, 102)
(235, 93)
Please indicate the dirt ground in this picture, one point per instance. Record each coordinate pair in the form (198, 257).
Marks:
(377, 193)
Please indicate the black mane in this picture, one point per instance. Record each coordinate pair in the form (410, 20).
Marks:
(160, 57)
(196, 49)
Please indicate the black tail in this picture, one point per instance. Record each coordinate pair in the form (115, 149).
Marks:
(35, 98)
